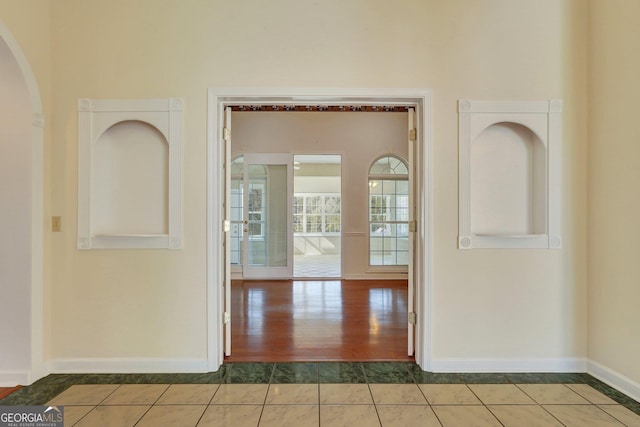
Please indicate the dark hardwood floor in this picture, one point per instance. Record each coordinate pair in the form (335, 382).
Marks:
(306, 320)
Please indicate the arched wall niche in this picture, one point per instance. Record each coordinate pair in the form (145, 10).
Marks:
(130, 174)
(509, 172)
(131, 180)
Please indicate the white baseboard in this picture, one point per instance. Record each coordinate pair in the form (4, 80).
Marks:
(614, 379)
(14, 378)
(126, 366)
(509, 365)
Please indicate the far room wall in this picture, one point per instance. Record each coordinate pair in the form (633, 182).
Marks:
(359, 137)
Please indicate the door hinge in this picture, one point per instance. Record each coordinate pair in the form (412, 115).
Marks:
(412, 135)
(412, 318)
(227, 317)
(226, 134)
(413, 226)
(226, 225)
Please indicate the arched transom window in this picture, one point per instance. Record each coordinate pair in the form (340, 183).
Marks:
(388, 212)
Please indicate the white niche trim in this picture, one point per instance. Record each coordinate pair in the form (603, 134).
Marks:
(509, 166)
(130, 173)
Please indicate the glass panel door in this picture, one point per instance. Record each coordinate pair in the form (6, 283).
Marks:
(267, 216)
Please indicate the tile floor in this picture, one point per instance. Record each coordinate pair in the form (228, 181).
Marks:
(332, 394)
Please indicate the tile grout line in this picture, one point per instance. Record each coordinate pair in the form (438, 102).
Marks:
(540, 405)
(152, 405)
(484, 405)
(429, 405)
(94, 406)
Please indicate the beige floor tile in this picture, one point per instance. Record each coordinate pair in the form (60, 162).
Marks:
(553, 394)
(172, 415)
(290, 416)
(500, 394)
(293, 394)
(449, 394)
(619, 412)
(73, 414)
(523, 415)
(231, 416)
(591, 394)
(397, 394)
(407, 416)
(466, 416)
(121, 416)
(136, 394)
(345, 394)
(348, 416)
(180, 394)
(84, 394)
(246, 394)
(582, 415)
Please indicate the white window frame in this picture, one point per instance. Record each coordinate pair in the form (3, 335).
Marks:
(384, 177)
(323, 214)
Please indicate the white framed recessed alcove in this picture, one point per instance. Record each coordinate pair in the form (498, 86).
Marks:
(509, 171)
(130, 173)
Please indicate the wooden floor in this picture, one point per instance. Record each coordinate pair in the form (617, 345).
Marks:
(6, 391)
(337, 320)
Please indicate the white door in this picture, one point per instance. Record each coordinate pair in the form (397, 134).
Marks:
(227, 232)
(268, 216)
(412, 233)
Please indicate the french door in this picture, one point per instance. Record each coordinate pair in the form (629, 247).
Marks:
(267, 216)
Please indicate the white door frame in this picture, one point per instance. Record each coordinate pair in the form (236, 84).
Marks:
(219, 98)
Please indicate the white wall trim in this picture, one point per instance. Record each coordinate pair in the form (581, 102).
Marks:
(614, 379)
(218, 98)
(126, 365)
(95, 116)
(37, 208)
(568, 364)
(544, 119)
(14, 378)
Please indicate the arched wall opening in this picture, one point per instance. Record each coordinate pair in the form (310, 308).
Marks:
(21, 228)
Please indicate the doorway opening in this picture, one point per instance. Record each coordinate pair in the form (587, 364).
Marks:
(354, 243)
(317, 219)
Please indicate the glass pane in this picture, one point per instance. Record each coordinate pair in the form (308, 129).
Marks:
(267, 215)
(332, 224)
(389, 166)
(237, 165)
(314, 223)
(332, 205)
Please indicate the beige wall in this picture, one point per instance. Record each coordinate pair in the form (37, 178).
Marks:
(488, 305)
(614, 201)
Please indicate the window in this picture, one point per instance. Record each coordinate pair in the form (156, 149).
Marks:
(388, 212)
(316, 213)
(256, 211)
(236, 207)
